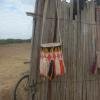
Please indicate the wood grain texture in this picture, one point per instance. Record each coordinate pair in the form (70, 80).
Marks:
(79, 50)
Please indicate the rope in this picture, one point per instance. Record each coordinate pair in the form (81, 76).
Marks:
(58, 21)
(44, 17)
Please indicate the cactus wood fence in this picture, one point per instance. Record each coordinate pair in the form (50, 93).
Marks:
(79, 38)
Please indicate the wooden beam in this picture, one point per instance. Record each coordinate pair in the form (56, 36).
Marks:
(30, 14)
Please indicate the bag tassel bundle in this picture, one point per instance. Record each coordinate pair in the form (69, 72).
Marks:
(51, 60)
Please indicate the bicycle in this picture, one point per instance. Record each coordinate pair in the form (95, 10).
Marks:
(22, 88)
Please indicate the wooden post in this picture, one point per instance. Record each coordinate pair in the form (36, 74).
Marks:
(49, 95)
(35, 45)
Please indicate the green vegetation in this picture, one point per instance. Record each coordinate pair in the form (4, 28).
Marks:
(9, 41)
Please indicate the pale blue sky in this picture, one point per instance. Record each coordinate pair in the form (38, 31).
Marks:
(13, 21)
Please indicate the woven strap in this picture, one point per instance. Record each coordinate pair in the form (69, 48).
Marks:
(58, 20)
(44, 19)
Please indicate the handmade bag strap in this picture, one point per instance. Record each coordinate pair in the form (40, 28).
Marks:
(57, 9)
(44, 19)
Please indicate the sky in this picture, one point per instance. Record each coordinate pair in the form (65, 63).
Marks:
(13, 20)
(14, 23)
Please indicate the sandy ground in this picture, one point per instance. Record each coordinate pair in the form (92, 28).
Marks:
(12, 58)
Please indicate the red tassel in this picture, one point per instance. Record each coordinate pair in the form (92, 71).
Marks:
(94, 66)
(62, 67)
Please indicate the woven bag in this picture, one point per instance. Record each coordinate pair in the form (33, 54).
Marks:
(51, 55)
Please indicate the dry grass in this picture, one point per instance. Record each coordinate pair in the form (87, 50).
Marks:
(12, 58)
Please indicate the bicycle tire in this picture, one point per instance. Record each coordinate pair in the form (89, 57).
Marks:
(18, 84)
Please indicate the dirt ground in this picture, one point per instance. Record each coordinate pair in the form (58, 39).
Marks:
(12, 58)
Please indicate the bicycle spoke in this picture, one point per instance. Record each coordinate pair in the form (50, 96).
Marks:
(22, 89)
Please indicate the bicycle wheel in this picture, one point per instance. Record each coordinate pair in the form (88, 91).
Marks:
(21, 90)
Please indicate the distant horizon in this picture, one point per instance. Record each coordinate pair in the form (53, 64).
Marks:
(15, 38)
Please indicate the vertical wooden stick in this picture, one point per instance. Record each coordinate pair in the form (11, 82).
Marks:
(49, 95)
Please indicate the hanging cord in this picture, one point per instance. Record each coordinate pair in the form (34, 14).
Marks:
(44, 18)
(58, 21)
